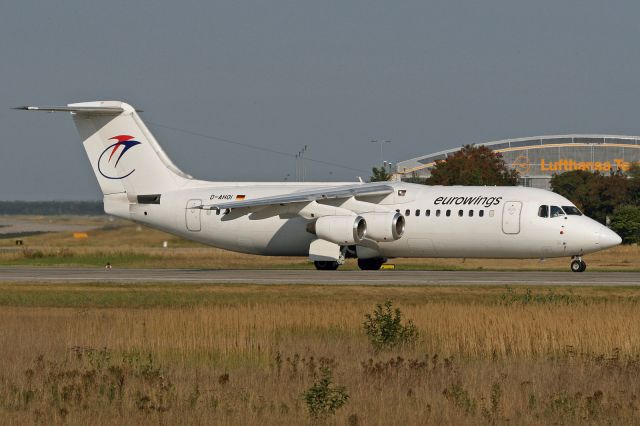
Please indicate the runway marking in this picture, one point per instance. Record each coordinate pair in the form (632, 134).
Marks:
(38, 280)
(272, 277)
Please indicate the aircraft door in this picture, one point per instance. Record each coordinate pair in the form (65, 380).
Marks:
(192, 216)
(511, 217)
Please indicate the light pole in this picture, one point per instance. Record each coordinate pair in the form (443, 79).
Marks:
(304, 171)
(381, 142)
(391, 170)
(300, 171)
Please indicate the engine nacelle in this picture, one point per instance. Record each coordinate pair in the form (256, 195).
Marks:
(384, 226)
(343, 230)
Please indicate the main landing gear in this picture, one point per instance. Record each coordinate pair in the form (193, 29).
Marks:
(577, 264)
(371, 264)
(326, 265)
(365, 264)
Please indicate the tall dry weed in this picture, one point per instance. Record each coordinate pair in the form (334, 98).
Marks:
(531, 360)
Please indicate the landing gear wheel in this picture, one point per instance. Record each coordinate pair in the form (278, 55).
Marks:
(326, 265)
(370, 264)
(578, 265)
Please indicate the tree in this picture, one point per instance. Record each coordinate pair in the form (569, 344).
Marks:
(626, 222)
(473, 165)
(595, 194)
(380, 174)
(634, 183)
(52, 207)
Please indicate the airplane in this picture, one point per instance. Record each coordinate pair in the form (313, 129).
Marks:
(326, 221)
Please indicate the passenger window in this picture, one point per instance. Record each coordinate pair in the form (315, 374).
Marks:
(556, 211)
(543, 211)
(448, 213)
(470, 213)
(407, 212)
(427, 213)
(572, 210)
(460, 213)
(437, 212)
(480, 213)
(418, 212)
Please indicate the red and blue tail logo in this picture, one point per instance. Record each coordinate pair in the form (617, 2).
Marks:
(110, 157)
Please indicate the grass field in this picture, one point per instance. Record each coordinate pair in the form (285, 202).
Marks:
(196, 354)
(243, 354)
(126, 245)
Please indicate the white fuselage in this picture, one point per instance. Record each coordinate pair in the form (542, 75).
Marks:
(455, 221)
(325, 221)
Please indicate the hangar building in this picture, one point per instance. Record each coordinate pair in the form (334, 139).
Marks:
(538, 158)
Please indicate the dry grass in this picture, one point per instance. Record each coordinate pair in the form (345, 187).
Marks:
(244, 354)
(127, 245)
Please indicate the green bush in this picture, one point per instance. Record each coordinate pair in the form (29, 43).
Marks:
(626, 222)
(385, 329)
(492, 414)
(324, 398)
(461, 398)
(32, 254)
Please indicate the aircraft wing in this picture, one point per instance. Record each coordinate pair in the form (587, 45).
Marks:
(331, 192)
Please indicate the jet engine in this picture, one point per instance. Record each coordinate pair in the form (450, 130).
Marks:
(384, 226)
(343, 230)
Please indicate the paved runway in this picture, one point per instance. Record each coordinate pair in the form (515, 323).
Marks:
(266, 277)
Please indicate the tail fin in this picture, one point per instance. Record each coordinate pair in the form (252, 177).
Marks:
(125, 156)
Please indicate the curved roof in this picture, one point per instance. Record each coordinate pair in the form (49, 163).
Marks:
(515, 144)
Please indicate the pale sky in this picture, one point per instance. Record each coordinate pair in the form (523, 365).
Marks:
(427, 75)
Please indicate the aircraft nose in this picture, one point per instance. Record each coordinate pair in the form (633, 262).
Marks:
(607, 238)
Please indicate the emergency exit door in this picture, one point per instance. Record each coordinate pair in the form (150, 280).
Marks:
(511, 217)
(192, 215)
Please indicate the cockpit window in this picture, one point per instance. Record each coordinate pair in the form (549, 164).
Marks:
(572, 210)
(543, 211)
(556, 211)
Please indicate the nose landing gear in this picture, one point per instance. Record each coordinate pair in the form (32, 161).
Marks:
(577, 264)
